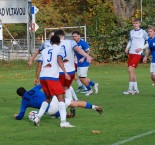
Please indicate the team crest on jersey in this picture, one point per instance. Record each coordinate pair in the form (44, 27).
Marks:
(154, 44)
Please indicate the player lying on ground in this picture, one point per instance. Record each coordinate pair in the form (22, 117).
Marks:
(34, 98)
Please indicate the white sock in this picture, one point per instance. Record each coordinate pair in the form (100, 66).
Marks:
(73, 94)
(135, 86)
(68, 94)
(62, 111)
(42, 109)
(79, 82)
(131, 86)
(94, 107)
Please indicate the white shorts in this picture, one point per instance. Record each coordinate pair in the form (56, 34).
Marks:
(82, 71)
(54, 108)
(152, 68)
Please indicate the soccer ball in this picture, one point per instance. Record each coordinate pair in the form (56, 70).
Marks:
(32, 115)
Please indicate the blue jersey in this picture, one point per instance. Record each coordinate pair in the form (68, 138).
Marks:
(151, 43)
(32, 98)
(83, 45)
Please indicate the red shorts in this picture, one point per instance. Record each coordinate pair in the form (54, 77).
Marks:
(64, 81)
(52, 87)
(75, 64)
(133, 60)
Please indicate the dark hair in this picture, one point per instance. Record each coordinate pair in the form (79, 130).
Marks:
(136, 20)
(55, 39)
(76, 32)
(59, 33)
(20, 91)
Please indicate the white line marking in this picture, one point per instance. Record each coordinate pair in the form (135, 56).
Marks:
(134, 137)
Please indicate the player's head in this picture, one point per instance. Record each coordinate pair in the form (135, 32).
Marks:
(59, 33)
(55, 40)
(51, 34)
(76, 35)
(20, 91)
(136, 23)
(151, 31)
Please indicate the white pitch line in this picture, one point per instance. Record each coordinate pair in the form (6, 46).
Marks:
(134, 137)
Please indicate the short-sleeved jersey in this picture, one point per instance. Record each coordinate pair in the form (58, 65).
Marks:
(151, 43)
(44, 45)
(32, 98)
(83, 45)
(137, 40)
(50, 66)
(67, 47)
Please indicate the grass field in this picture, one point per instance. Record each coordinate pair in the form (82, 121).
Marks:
(127, 120)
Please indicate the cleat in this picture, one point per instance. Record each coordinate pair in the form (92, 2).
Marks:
(99, 110)
(84, 92)
(89, 93)
(66, 125)
(72, 111)
(36, 121)
(79, 89)
(96, 88)
(135, 92)
(128, 92)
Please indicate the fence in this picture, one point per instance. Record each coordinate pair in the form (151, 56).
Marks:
(17, 49)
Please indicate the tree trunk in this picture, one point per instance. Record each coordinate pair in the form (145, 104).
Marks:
(124, 8)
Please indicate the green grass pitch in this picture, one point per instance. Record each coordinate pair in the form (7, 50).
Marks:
(124, 116)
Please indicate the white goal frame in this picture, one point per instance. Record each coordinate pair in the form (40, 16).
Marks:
(74, 27)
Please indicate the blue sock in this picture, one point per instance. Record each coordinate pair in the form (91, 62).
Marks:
(91, 83)
(88, 87)
(57, 114)
(88, 105)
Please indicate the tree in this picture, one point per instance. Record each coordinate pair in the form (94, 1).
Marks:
(124, 8)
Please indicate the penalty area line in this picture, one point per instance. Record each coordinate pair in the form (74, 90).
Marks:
(134, 137)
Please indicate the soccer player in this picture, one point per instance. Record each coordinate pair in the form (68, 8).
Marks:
(35, 97)
(49, 79)
(151, 48)
(68, 47)
(137, 40)
(42, 46)
(83, 65)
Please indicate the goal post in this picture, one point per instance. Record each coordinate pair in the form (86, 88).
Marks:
(82, 29)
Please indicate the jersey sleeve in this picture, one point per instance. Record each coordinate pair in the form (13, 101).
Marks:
(22, 112)
(41, 47)
(85, 46)
(62, 52)
(73, 44)
(145, 35)
(40, 59)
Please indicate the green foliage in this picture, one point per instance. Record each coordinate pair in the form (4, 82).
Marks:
(108, 33)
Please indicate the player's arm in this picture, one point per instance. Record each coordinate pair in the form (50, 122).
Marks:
(82, 52)
(61, 64)
(127, 47)
(31, 60)
(144, 47)
(21, 113)
(147, 52)
(38, 69)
